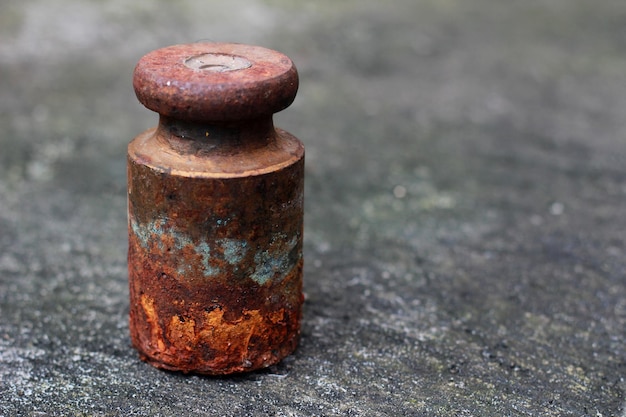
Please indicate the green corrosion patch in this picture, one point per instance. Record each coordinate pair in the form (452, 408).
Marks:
(277, 261)
(153, 235)
(145, 233)
(234, 250)
(204, 250)
(273, 263)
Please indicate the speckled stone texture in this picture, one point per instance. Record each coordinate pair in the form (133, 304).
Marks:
(464, 242)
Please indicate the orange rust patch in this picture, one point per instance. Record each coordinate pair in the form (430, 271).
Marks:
(181, 333)
(151, 317)
(232, 337)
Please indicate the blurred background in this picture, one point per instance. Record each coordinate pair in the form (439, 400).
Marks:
(465, 200)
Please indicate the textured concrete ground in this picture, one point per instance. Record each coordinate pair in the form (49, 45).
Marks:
(465, 207)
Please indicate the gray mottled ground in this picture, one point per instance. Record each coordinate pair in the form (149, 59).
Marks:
(465, 218)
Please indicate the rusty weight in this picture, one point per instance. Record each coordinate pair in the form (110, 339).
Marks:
(215, 208)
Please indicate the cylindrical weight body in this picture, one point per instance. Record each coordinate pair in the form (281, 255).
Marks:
(215, 261)
(215, 214)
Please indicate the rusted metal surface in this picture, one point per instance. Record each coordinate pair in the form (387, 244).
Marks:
(215, 207)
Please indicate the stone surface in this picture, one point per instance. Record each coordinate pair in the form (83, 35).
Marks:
(465, 199)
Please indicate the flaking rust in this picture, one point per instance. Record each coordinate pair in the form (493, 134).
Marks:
(215, 209)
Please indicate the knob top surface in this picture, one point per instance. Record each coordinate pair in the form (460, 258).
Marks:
(215, 81)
